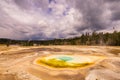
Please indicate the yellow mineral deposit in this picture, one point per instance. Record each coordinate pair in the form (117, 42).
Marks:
(67, 61)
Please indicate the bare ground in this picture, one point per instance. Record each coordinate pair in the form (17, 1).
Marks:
(16, 63)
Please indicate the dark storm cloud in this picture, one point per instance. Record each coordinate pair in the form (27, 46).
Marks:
(112, 0)
(92, 11)
(22, 4)
(115, 9)
(116, 16)
(32, 4)
(31, 19)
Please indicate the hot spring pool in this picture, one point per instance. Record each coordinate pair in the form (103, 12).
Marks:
(66, 61)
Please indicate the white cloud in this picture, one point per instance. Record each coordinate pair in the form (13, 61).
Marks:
(37, 19)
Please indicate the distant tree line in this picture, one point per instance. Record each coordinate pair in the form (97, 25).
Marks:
(111, 39)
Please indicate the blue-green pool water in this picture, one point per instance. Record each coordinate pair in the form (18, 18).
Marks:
(65, 58)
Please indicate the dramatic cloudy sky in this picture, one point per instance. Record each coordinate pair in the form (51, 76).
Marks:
(48, 19)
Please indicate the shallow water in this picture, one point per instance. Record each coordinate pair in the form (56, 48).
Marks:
(65, 58)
